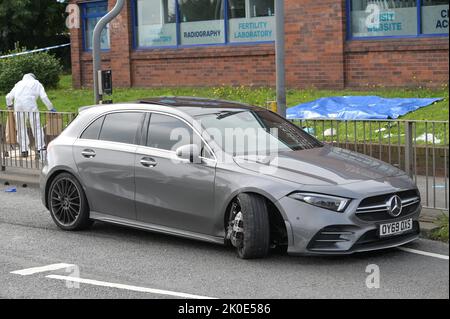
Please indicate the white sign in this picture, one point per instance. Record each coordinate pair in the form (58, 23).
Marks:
(202, 32)
(377, 21)
(435, 19)
(252, 29)
(157, 35)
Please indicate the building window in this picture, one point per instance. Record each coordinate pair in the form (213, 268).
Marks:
(156, 23)
(92, 12)
(261, 8)
(251, 20)
(172, 23)
(434, 16)
(202, 22)
(397, 18)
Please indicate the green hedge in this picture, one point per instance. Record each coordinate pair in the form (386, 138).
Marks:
(45, 66)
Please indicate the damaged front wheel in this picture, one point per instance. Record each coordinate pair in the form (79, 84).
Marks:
(248, 227)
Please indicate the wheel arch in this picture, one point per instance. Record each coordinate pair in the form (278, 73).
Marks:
(55, 173)
(277, 220)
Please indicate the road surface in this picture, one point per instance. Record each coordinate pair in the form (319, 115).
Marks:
(116, 262)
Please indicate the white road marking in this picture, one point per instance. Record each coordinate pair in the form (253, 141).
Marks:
(36, 270)
(128, 287)
(423, 253)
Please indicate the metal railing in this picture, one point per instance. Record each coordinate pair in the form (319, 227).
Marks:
(25, 135)
(420, 148)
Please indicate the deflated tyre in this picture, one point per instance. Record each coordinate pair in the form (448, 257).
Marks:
(248, 228)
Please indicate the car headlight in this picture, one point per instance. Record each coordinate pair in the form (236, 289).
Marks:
(336, 204)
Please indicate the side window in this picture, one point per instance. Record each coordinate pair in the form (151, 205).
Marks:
(121, 127)
(93, 131)
(168, 133)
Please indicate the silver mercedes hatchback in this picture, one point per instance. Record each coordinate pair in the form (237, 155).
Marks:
(226, 173)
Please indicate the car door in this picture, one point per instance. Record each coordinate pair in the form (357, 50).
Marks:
(105, 154)
(171, 193)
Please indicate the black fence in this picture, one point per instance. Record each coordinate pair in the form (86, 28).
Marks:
(420, 148)
(24, 136)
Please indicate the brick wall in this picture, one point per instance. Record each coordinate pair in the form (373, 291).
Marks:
(315, 43)
(205, 66)
(86, 74)
(397, 63)
(121, 44)
(317, 55)
(76, 50)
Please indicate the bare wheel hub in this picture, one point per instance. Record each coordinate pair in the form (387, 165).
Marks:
(236, 227)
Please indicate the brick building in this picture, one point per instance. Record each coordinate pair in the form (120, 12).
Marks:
(329, 43)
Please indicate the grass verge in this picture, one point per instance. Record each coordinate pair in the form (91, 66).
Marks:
(67, 99)
(441, 233)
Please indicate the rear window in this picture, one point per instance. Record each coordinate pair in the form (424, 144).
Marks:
(93, 131)
(121, 127)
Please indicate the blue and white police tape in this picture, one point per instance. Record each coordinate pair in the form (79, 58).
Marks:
(34, 51)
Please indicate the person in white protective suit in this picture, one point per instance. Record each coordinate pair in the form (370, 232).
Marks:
(23, 98)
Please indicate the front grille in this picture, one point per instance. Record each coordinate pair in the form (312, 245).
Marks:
(342, 238)
(372, 239)
(376, 208)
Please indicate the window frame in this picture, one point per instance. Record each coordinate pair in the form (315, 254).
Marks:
(84, 17)
(419, 34)
(178, 22)
(143, 130)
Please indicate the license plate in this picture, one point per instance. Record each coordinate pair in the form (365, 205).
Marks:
(396, 228)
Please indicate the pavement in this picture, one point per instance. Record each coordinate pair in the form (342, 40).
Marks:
(116, 262)
(20, 176)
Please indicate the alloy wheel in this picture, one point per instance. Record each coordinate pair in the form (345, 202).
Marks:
(65, 202)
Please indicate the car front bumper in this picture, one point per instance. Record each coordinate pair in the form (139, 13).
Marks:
(345, 232)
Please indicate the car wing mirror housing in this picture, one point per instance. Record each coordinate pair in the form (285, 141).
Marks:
(189, 152)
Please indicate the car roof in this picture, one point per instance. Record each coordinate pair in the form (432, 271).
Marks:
(190, 106)
(197, 105)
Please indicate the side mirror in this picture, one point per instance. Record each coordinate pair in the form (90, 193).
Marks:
(189, 152)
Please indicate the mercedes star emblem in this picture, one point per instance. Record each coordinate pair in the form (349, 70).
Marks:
(394, 206)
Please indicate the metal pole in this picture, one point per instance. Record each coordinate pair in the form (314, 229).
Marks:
(409, 148)
(280, 57)
(96, 49)
(3, 146)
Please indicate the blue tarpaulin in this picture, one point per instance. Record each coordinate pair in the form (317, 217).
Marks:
(357, 108)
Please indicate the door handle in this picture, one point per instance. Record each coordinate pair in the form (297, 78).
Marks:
(148, 162)
(88, 153)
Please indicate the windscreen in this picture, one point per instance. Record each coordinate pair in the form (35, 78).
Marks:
(245, 132)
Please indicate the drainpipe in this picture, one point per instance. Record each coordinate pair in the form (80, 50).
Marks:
(280, 57)
(96, 49)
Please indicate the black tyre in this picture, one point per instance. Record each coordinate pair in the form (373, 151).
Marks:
(248, 228)
(68, 204)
